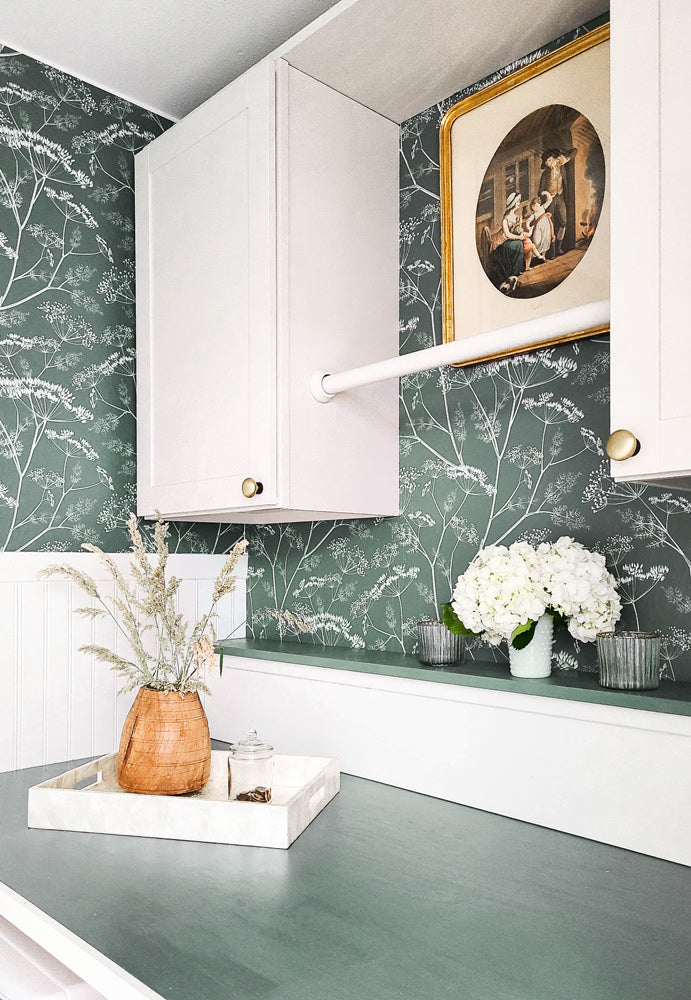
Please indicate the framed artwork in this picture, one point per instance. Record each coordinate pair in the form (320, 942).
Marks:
(525, 201)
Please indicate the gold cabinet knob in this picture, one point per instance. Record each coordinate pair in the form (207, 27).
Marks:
(622, 445)
(251, 488)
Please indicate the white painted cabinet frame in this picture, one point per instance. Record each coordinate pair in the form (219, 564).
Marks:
(267, 237)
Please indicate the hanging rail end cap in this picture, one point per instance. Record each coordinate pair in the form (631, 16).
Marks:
(317, 388)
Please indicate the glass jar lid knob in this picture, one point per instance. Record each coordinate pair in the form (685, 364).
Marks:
(251, 748)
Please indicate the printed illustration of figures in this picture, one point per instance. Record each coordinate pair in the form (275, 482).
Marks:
(540, 201)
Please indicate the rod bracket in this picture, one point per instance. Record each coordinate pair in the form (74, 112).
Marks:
(317, 388)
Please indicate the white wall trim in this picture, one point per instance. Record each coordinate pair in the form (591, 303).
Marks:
(557, 707)
(25, 566)
(606, 773)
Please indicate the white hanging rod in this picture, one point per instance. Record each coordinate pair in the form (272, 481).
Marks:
(544, 331)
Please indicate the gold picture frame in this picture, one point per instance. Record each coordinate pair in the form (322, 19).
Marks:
(473, 134)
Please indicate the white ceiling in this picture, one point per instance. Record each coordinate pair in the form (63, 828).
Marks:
(167, 55)
(171, 55)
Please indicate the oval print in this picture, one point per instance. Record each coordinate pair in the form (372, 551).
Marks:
(540, 201)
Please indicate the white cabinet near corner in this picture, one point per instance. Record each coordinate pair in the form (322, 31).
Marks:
(267, 248)
(651, 238)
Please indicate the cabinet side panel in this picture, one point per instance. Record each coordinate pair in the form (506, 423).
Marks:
(635, 198)
(338, 267)
(675, 246)
(675, 208)
(141, 229)
(651, 363)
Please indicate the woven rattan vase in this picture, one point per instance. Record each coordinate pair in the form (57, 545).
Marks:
(165, 747)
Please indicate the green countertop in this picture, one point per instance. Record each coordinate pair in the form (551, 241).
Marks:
(388, 895)
(571, 685)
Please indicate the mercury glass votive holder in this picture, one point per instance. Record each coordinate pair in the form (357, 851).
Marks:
(436, 646)
(629, 660)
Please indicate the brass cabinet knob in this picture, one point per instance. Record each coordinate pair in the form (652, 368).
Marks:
(251, 488)
(622, 445)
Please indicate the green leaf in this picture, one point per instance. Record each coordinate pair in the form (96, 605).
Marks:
(453, 622)
(522, 634)
(219, 650)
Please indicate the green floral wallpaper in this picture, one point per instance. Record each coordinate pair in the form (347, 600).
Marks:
(506, 450)
(489, 454)
(67, 364)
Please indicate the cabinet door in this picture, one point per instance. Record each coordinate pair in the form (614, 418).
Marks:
(651, 237)
(205, 212)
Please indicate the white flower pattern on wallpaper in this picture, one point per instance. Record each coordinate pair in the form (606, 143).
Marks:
(67, 359)
(491, 454)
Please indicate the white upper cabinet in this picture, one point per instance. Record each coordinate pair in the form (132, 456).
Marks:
(651, 238)
(205, 295)
(266, 249)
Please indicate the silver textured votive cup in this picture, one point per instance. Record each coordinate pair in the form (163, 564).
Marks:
(629, 660)
(436, 646)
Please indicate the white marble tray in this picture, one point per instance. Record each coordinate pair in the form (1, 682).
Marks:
(302, 786)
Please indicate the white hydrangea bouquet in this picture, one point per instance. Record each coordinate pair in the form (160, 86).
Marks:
(506, 590)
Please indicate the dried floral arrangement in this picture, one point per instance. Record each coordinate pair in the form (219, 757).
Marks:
(166, 655)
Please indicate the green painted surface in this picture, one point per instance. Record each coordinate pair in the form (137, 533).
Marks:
(388, 895)
(571, 685)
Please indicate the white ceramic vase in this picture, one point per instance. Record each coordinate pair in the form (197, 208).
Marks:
(535, 659)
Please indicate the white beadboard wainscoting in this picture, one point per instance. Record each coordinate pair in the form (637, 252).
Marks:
(616, 775)
(59, 704)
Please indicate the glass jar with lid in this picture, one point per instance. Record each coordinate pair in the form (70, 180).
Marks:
(250, 769)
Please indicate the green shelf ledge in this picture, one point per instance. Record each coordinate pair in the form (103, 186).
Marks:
(672, 698)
